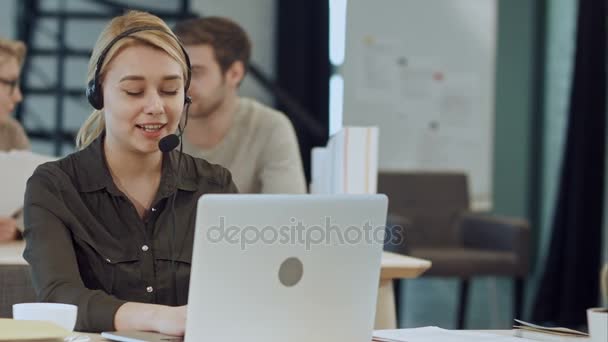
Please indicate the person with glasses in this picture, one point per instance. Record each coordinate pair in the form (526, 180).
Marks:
(12, 135)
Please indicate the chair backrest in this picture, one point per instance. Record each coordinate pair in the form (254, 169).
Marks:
(15, 287)
(431, 202)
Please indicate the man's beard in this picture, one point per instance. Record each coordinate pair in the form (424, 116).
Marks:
(205, 111)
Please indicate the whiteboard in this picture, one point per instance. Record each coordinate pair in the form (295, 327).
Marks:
(423, 71)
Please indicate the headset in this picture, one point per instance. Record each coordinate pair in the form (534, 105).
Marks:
(93, 91)
(167, 143)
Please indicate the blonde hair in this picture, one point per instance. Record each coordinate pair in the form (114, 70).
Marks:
(163, 39)
(12, 48)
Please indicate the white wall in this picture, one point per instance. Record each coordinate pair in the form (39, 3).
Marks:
(258, 18)
(424, 73)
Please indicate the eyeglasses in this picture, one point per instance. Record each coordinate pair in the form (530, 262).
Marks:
(13, 84)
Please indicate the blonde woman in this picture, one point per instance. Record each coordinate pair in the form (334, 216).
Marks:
(12, 136)
(99, 223)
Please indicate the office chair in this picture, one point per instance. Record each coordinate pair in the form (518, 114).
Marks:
(434, 209)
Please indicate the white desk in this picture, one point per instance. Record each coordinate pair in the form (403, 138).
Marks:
(98, 338)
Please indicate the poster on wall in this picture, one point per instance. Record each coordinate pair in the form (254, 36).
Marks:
(423, 72)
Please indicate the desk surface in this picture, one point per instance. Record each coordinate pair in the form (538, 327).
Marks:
(98, 338)
(393, 265)
(397, 266)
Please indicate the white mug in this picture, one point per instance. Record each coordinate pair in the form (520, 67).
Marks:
(597, 319)
(64, 315)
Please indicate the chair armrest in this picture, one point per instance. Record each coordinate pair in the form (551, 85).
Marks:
(398, 220)
(396, 234)
(495, 233)
(498, 234)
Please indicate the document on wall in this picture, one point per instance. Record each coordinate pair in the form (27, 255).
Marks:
(453, 140)
(378, 78)
(16, 167)
(435, 334)
(388, 75)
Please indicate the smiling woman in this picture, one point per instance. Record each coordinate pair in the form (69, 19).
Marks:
(144, 96)
(96, 221)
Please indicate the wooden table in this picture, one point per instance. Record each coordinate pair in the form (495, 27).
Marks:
(394, 266)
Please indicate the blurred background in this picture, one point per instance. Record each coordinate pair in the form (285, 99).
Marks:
(530, 75)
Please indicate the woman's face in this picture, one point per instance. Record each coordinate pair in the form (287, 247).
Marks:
(10, 94)
(143, 96)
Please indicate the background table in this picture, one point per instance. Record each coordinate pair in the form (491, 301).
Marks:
(394, 266)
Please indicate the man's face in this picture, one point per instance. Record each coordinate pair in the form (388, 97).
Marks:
(10, 95)
(208, 87)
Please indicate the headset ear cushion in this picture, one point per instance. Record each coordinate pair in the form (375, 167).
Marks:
(94, 95)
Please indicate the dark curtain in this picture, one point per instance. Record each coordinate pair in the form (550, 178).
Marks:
(303, 69)
(569, 284)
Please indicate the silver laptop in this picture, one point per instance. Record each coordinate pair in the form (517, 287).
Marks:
(285, 268)
(295, 268)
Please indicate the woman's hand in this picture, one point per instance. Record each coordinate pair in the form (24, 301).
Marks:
(8, 229)
(171, 320)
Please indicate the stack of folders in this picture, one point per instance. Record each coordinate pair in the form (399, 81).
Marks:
(349, 163)
(540, 333)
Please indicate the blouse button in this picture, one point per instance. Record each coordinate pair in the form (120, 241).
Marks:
(149, 289)
(145, 248)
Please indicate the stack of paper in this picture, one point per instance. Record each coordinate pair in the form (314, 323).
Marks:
(15, 169)
(349, 163)
(435, 334)
(541, 333)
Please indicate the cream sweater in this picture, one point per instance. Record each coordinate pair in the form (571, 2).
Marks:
(260, 150)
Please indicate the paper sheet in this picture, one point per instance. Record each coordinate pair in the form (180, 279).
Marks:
(16, 167)
(435, 334)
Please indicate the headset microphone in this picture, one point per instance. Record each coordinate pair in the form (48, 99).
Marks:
(168, 143)
(171, 141)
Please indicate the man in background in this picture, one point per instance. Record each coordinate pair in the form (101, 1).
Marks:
(255, 142)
